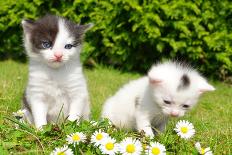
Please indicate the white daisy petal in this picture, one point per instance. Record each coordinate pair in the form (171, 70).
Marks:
(130, 146)
(156, 148)
(109, 146)
(62, 151)
(209, 153)
(19, 114)
(198, 146)
(76, 138)
(204, 151)
(207, 149)
(185, 129)
(97, 137)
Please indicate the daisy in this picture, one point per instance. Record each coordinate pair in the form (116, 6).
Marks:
(185, 129)
(97, 137)
(156, 148)
(19, 114)
(130, 146)
(62, 151)
(109, 146)
(75, 138)
(205, 151)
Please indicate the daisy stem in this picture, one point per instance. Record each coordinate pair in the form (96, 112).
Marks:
(185, 146)
(75, 149)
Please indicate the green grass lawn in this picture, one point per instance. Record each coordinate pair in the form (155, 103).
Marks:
(212, 117)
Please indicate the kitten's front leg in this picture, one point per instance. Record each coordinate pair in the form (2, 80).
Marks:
(162, 125)
(143, 123)
(39, 111)
(79, 107)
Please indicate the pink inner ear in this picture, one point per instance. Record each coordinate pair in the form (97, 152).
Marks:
(155, 81)
(202, 91)
(205, 90)
(204, 87)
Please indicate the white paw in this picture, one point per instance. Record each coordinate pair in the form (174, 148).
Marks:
(72, 118)
(39, 128)
(149, 133)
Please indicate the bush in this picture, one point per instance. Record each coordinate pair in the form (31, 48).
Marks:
(134, 34)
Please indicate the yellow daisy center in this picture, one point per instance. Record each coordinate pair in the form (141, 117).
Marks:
(155, 150)
(76, 137)
(202, 151)
(184, 129)
(109, 146)
(60, 153)
(99, 136)
(130, 148)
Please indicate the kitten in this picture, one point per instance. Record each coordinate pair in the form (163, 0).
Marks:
(56, 82)
(170, 89)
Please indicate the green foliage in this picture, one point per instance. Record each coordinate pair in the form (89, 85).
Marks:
(133, 34)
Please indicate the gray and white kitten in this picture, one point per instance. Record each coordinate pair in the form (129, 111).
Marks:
(56, 82)
(170, 89)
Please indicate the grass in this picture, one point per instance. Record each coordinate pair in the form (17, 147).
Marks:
(211, 117)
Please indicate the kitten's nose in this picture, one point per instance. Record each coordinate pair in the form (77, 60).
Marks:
(58, 55)
(174, 114)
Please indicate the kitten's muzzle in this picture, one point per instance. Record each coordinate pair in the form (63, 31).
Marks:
(58, 56)
(174, 114)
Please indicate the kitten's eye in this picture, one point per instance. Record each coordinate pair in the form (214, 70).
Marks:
(167, 102)
(46, 44)
(185, 106)
(68, 46)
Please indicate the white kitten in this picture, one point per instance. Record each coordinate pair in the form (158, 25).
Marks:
(170, 89)
(56, 82)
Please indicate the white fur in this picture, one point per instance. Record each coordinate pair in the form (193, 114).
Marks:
(151, 111)
(54, 86)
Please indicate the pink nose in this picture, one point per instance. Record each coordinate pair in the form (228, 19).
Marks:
(174, 114)
(58, 55)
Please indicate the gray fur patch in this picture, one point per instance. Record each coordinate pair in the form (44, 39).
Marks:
(25, 102)
(76, 30)
(42, 30)
(136, 101)
(46, 28)
(184, 82)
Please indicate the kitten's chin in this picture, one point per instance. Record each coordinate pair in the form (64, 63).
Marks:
(55, 64)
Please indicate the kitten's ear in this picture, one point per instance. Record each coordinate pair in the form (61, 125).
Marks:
(86, 27)
(153, 78)
(27, 25)
(205, 86)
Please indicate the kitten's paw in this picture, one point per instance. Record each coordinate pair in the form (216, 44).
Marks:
(150, 135)
(73, 118)
(147, 133)
(39, 128)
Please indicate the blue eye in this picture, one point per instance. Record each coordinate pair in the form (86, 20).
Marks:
(68, 46)
(46, 44)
